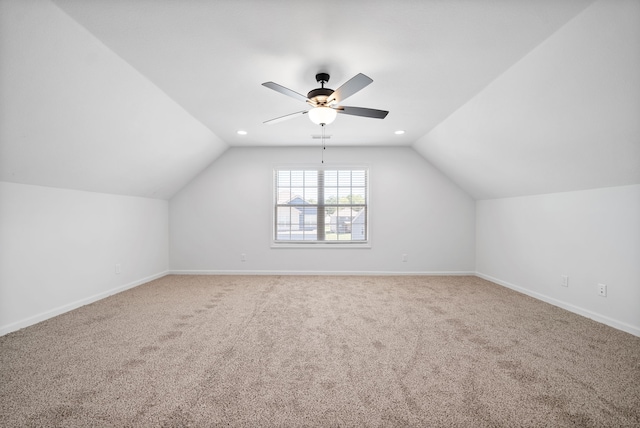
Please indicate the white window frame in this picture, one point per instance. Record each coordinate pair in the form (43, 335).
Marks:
(321, 244)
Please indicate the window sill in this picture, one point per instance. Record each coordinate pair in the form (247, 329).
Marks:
(321, 245)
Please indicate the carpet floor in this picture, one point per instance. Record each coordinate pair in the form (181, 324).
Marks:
(319, 351)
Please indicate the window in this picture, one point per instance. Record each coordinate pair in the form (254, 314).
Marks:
(321, 205)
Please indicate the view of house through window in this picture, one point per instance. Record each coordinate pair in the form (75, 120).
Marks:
(321, 205)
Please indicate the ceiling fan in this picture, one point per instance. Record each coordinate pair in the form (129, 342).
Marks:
(325, 102)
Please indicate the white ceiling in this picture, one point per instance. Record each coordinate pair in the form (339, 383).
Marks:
(137, 96)
(427, 58)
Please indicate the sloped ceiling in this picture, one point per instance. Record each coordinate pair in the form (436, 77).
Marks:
(74, 115)
(137, 96)
(565, 117)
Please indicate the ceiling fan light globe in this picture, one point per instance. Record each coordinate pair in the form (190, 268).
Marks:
(322, 115)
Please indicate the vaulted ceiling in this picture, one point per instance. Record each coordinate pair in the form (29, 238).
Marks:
(506, 97)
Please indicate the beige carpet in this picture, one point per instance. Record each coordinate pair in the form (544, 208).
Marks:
(319, 351)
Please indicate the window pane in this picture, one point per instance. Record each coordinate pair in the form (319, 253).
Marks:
(311, 195)
(296, 196)
(358, 178)
(358, 226)
(330, 195)
(343, 195)
(284, 178)
(283, 215)
(284, 195)
(330, 225)
(311, 178)
(283, 223)
(297, 178)
(330, 178)
(344, 178)
(358, 195)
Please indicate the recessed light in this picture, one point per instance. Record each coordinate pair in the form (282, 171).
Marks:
(399, 132)
(241, 132)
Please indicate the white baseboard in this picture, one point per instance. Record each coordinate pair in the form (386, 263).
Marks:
(564, 305)
(70, 306)
(74, 305)
(323, 273)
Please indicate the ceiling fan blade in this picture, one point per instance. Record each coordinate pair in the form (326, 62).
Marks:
(286, 117)
(364, 112)
(285, 91)
(350, 87)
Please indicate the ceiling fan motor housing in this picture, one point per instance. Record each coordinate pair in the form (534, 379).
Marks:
(320, 95)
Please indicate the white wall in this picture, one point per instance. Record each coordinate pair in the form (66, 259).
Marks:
(593, 236)
(59, 248)
(415, 210)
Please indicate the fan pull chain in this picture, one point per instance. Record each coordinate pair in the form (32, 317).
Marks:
(324, 147)
(323, 144)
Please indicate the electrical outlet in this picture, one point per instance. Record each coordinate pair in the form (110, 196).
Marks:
(118, 268)
(243, 257)
(564, 280)
(405, 258)
(602, 290)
